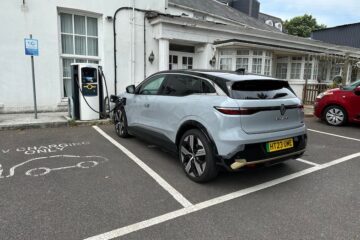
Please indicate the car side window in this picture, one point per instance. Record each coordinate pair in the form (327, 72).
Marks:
(152, 86)
(182, 85)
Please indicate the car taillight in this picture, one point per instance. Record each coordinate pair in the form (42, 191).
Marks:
(236, 111)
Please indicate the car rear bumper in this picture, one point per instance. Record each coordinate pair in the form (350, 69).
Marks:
(256, 153)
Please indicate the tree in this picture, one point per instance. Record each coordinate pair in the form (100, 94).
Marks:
(302, 26)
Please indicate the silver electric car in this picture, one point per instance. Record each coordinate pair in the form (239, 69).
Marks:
(215, 119)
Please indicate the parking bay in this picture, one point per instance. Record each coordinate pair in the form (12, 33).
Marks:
(73, 203)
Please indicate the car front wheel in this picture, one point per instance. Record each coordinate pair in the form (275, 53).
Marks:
(120, 121)
(197, 156)
(335, 116)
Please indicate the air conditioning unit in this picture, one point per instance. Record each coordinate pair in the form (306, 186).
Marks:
(279, 26)
(269, 22)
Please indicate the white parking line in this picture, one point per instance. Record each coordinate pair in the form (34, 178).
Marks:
(334, 135)
(307, 162)
(173, 192)
(215, 201)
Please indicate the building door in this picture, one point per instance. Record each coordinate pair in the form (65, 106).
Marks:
(181, 60)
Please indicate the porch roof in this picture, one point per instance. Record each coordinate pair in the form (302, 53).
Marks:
(226, 35)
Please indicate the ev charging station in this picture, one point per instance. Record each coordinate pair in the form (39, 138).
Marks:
(85, 92)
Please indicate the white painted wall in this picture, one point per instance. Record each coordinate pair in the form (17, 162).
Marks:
(40, 18)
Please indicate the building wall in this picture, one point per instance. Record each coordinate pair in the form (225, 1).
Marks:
(40, 18)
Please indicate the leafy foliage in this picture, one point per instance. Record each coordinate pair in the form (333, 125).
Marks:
(302, 26)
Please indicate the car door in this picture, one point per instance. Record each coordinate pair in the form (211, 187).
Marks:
(180, 98)
(354, 103)
(144, 101)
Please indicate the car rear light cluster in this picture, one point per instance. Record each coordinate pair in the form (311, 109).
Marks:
(236, 111)
(250, 111)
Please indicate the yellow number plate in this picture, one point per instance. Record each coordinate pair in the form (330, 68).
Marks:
(280, 145)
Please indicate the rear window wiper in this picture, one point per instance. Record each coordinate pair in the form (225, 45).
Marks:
(280, 95)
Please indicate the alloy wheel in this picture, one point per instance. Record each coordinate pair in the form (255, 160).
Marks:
(193, 156)
(119, 122)
(335, 116)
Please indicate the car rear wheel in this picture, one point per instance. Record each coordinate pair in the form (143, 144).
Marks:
(120, 121)
(197, 156)
(335, 116)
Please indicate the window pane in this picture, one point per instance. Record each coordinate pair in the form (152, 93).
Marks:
(80, 45)
(295, 70)
(242, 63)
(226, 52)
(267, 70)
(92, 27)
(66, 67)
(152, 86)
(66, 23)
(184, 60)
(281, 70)
(257, 53)
(80, 60)
(307, 70)
(92, 46)
(175, 59)
(243, 52)
(79, 23)
(67, 45)
(257, 65)
(207, 87)
(93, 61)
(182, 85)
(225, 64)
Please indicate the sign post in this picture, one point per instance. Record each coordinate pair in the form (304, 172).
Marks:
(32, 49)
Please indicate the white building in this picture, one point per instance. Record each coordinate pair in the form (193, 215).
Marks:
(178, 34)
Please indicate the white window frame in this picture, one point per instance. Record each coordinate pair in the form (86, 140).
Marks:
(74, 56)
(244, 53)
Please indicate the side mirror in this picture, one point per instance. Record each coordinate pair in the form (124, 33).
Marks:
(130, 89)
(113, 98)
(357, 91)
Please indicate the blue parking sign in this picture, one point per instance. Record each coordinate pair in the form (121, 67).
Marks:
(31, 47)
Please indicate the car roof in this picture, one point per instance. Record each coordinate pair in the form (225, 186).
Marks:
(226, 75)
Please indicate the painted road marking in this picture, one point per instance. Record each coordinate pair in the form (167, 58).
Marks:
(307, 162)
(173, 192)
(334, 135)
(84, 163)
(215, 201)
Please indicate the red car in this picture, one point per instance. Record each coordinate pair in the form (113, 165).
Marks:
(340, 105)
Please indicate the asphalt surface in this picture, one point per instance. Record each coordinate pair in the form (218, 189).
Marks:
(91, 187)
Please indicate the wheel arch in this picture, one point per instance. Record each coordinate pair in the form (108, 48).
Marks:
(336, 104)
(192, 124)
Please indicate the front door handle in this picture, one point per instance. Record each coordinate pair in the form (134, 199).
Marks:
(147, 105)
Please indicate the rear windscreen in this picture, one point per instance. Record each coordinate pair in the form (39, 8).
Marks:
(261, 89)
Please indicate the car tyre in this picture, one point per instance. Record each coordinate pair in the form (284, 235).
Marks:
(197, 156)
(120, 122)
(335, 115)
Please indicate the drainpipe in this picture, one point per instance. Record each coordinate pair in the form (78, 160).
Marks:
(133, 43)
(148, 14)
(114, 39)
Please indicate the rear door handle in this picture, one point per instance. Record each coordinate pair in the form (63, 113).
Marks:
(147, 105)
